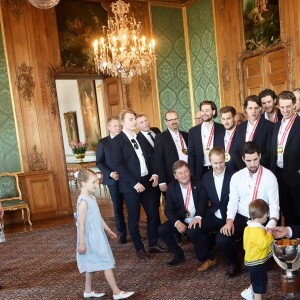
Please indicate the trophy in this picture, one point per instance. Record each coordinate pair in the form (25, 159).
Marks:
(286, 253)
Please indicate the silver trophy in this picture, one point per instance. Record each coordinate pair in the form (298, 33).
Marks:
(286, 253)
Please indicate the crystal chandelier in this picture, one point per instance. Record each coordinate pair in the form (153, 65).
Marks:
(44, 4)
(125, 53)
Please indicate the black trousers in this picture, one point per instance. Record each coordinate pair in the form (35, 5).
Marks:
(289, 200)
(117, 200)
(148, 199)
(167, 232)
(229, 244)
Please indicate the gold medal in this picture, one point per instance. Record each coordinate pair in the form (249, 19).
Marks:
(207, 150)
(187, 214)
(227, 157)
(280, 149)
(185, 151)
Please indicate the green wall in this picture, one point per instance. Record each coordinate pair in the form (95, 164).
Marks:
(203, 52)
(9, 151)
(173, 85)
(171, 63)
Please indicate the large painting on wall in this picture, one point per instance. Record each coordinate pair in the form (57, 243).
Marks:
(77, 29)
(90, 113)
(261, 23)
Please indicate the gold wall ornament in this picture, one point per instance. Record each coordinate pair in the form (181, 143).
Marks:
(226, 76)
(145, 86)
(25, 82)
(16, 8)
(37, 162)
(51, 83)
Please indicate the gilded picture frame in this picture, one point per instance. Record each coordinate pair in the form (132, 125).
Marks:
(71, 127)
(89, 109)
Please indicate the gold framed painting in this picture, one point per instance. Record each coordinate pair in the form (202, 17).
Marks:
(89, 109)
(71, 127)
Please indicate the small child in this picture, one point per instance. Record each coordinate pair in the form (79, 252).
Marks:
(257, 246)
(93, 249)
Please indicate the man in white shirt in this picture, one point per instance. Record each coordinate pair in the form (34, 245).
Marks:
(137, 182)
(250, 183)
(183, 210)
(169, 146)
(285, 158)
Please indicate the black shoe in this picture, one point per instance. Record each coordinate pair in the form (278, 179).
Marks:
(122, 240)
(142, 254)
(178, 258)
(157, 249)
(233, 270)
(1, 287)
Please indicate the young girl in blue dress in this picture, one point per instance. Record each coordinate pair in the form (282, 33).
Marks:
(93, 249)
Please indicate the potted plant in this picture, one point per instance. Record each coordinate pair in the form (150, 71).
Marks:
(79, 150)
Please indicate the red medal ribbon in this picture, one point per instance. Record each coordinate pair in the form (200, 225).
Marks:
(253, 130)
(230, 140)
(211, 136)
(188, 197)
(181, 141)
(275, 117)
(287, 129)
(257, 183)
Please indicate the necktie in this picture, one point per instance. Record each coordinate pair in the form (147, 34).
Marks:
(151, 136)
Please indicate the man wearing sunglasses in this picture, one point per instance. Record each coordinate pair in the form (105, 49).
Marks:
(138, 183)
(170, 146)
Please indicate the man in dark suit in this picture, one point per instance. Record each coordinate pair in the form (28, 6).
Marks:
(215, 195)
(268, 102)
(183, 210)
(229, 141)
(110, 176)
(134, 164)
(256, 129)
(285, 158)
(203, 137)
(169, 146)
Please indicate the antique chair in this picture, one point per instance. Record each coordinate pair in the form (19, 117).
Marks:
(10, 195)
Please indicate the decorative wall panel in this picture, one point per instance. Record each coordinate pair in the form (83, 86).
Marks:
(172, 74)
(9, 151)
(203, 52)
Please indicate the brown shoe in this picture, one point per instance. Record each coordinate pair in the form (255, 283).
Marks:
(207, 264)
(142, 254)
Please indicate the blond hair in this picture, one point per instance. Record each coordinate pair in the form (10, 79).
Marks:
(258, 208)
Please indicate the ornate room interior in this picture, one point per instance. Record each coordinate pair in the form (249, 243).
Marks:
(200, 54)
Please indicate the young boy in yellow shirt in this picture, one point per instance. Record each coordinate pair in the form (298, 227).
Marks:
(257, 245)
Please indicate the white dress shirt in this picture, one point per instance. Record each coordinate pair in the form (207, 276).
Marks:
(146, 135)
(242, 188)
(191, 206)
(176, 139)
(205, 133)
(139, 153)
(219, 184)
(249, 131)
(282, 128)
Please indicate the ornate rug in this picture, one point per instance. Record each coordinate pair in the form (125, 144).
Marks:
(42, 265)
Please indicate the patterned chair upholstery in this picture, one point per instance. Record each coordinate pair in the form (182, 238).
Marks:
(10, 195)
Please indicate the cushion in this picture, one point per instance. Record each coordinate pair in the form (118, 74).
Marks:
(8, 188)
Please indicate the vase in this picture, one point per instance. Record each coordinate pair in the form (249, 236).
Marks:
(80, 156)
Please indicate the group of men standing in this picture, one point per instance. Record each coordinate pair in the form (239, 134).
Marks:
(208, 175)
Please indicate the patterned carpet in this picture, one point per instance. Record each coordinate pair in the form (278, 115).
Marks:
(42, 265)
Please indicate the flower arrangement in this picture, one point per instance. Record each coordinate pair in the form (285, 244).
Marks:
(79, 148)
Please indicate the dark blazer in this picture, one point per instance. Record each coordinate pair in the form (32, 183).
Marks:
(196, 154)
(126, 162)
(104, 160)
(279, 115)
(144, 139)
(291, 156)
(296, 231)
(175, 203)
(165, 154)
(233, 162)
(209, 193)
(262, 137)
